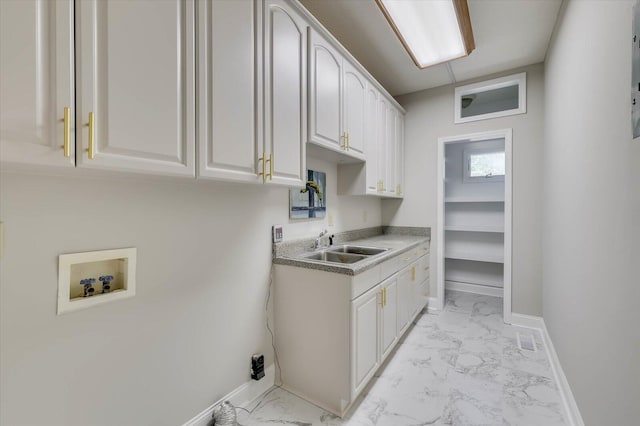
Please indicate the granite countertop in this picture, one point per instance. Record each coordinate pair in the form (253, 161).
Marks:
(398, 241)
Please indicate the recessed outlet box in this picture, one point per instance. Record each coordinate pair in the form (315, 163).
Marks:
(96, 277)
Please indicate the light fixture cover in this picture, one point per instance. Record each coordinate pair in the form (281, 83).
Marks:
(432, 31)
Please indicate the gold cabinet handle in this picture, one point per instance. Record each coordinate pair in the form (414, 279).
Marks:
(92, 140)
(381, 298)
(344, 138)
(347, 141)
(67, 132)
(270, 160)
(262, 173)
(385, 296)
(413, 273)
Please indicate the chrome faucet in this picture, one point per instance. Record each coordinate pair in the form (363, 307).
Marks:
(316, 243)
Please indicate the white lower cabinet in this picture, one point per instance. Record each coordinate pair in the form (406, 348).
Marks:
(373, 332)
(365, 335)
(404, 298)
(333, 331)
(389, 318)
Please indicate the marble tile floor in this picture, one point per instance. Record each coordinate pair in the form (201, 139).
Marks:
(461, 367)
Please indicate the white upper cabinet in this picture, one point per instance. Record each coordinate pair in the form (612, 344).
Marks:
(391, 153)
(372, 141)
(36, 82)
(381, 137)
(112, 85)
(285, 94)
(337, 92)
(135, 82)
(252, 91)
(325, 93)
(227, 96)
(400, 154)
(355, 101)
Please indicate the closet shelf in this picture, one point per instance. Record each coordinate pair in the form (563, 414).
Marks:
(474, 228)
(473, 200)
(479, 256)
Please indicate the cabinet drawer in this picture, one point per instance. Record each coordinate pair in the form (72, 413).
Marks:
(390, 267)
(423, 248)
(364, 281)
(407, 258)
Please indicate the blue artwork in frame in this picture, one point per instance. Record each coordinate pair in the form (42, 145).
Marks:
(310, 202)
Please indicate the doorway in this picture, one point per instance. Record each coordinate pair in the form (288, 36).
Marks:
(473, 247)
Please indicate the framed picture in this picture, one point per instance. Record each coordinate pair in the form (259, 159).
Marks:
(309, 202)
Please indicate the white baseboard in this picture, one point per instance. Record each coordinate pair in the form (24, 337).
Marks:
(474, 288)
(572, 413)
(432, 306)
(239, 397)
(569, 402)
(527, 321)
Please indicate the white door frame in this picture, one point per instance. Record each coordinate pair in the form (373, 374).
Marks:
(507, 135)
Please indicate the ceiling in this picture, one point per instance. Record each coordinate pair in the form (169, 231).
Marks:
(508, 34)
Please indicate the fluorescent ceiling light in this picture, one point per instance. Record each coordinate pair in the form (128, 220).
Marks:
(432, 31)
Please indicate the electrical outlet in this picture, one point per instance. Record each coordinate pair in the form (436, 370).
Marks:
(276, 231)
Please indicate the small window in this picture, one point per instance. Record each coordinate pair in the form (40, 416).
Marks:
(483, 165)
(491, 99)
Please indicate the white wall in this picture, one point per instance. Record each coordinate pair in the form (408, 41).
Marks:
(592, 211)
(185, 340)
(429, 116)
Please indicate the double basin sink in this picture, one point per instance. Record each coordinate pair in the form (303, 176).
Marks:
(343, 254)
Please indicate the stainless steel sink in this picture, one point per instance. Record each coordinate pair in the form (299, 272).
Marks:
(360, 250)
(334, 257)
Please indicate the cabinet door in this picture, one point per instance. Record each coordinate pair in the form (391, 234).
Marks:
(325, 91)
(371, 140)
(389, 318)
(355, 100)
(400, 154)
(381, 130)
(135, 74)
(391, 149)
(364, 335)
(423, 300)
(285, 94)
(404, 298)
(227, 143)
(36, 81)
